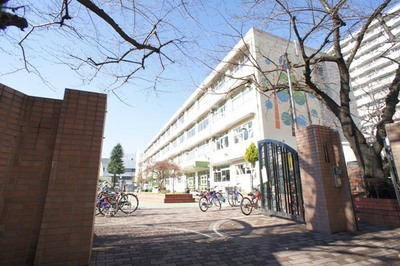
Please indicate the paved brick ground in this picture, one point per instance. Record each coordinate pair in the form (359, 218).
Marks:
(180, 234)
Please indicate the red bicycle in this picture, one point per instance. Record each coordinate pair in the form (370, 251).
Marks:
(209, 199)
(248, 203)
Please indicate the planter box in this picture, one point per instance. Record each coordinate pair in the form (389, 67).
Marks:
(178, 198)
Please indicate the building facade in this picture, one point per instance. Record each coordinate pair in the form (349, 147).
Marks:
(374, 68)
(208, 136)
(125, 178)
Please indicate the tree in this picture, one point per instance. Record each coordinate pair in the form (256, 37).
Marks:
(161, 170)
(323, 24)
(251, 156)
(10, 19)
(116, 164)
(109, 40)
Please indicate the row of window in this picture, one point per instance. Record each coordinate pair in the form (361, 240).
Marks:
(217, 84)
(221, 174)
(241, 133)
(238, 100)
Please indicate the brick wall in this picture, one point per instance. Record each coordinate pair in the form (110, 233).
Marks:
(377, 211)
(328, 208)
(50, 152)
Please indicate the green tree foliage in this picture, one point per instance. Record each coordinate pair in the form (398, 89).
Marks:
(116, 165)
(251, 154)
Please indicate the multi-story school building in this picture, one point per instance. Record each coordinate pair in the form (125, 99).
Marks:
(207, 137)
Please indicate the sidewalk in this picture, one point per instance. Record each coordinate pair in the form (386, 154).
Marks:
(181, 234)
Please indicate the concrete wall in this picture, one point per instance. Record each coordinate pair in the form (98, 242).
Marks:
(328, 205)
(49, 161)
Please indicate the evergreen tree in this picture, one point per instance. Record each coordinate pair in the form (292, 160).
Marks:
(251, 156)
(116, 165)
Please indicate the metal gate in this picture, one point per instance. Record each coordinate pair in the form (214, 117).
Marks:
(280, 179)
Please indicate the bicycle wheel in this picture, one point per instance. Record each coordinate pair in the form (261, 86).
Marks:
(220, 197)
(216, 202)
(203, 204)
(128, 203)
(108, 206)
(257, 203)
(246, 206)
(235, 199)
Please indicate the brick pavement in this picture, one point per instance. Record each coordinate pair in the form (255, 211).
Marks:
(180, 234)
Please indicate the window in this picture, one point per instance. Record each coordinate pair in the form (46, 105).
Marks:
(201, 101)
(244, 132)
(222, 174)
(181, 120)
(241, 97)
(182, 139)
(219, 113)
(201, 151)
(239, 63)
(190, 111)
(191, 132)
(222, 142)
(203, 124)
(242, 169)
(175, 143)
(217, 85)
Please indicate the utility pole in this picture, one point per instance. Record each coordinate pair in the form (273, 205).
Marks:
(284, 60)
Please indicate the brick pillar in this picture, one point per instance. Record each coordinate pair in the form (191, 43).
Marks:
(67, 225)
(393, 134)
(328, 204)
(28, 127)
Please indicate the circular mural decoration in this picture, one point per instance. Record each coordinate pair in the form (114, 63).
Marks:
(265, 81)
(283, 95)
(314, 113)
(269, 104)
(286, 118)
(301, 121)
(299, 97)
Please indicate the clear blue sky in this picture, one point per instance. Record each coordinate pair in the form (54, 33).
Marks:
(143, 112)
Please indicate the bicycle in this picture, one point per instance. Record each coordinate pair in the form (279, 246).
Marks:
(109, 203)
(209, 199)
(235, 197)
(220, 196)
(247, 204)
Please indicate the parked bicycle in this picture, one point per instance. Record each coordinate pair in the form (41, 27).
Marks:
(109, 203)
(253, 201)
(208, 200)
(220, 195)
(235, 197)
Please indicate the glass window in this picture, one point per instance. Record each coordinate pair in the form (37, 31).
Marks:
(182, 139)
(244, 132)
(219, 113)
(241, 97)
(222, 174)
(203, 124)
(191, 132)
(222, 142)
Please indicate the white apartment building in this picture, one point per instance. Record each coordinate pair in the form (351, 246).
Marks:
(371, 73)
(207, 137)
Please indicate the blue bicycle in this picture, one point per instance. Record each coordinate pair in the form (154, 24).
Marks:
(209, 199)
(235, 197)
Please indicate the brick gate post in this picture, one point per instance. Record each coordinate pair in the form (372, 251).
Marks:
(326, 190)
